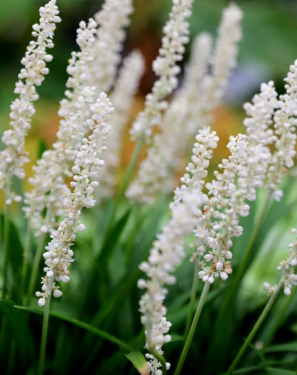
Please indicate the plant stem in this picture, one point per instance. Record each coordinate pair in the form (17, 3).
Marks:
(26, 260)
(35, 268)
(281, 316)
(5, 249)
(132, 164)
(45, 328)
(243, 263)
(160, 358)
(192, 329)
(255, 328)
(193, 297)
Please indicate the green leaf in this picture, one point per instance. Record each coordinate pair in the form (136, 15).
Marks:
(178, 316)
(41, 148)
(113, 237)
(289, 347)
(249, 370)
(139, 362)
(279, 371)
(19, 328)
(175, 338)
(87, 327)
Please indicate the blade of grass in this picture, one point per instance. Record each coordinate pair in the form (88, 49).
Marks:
(192, 329)
(82, 325)
(139, 362)
(255, 328)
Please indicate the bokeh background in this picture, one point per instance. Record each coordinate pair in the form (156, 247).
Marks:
(268, 47)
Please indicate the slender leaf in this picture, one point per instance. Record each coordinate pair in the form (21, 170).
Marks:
(87, 327)
(175, 338)
(278, 371)
(139, 362)
(113, 237)
(251, 369)
(288, 347)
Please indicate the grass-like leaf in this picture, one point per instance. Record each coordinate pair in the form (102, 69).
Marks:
(288, 347)
(82, 325)
(139, 362)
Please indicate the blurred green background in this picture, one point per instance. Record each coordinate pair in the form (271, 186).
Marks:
(268, 47)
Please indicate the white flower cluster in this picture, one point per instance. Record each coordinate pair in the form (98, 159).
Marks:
(289, 278)
(190, 109)
(193, 90)
(220, 220)
(122, 99)
(226, 50)
(165, 66)
(284, 124)
(13, 158)
(80, 77)
(58, 256)
(260, 112)
(112, 20)
(155, 171)
(51, 170)
(168, 249)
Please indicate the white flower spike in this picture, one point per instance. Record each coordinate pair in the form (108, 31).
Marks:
(168, 250)
(165, 66)
(58, 256)
(13, 158)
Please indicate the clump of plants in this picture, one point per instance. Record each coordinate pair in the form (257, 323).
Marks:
(145, 274)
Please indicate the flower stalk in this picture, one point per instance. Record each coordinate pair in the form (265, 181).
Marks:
(193, 297)
(45, 329)
(255, 328)
(25, 265)
(192, 329)
(35, 268)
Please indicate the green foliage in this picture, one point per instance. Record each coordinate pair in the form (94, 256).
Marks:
(91, 330)
(139, 362)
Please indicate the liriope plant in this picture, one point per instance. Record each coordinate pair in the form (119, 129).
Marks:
(205, 213)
